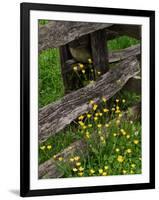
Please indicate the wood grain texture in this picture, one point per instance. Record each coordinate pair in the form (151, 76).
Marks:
(56, 116)
(58, 33)
(99, 51)
(126, 29)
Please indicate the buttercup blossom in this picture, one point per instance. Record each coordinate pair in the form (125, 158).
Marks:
(120, 158)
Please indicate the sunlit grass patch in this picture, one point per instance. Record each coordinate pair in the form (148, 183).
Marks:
(121, 43)
(50, 80)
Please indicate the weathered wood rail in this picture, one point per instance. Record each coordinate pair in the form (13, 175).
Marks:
(56, 116)
(58, 33)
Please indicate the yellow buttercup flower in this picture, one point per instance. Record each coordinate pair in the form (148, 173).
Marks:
(113, 109)
(136, 141)
(133, 165)
(71, 159)
(105, 110)
(117, 121)
(95, 118)
(124, 133)
(107, 125)
(87, 133)
(104, 174)
(120, 115)
(91, 102)
(106, 167)
(90, 125)
(87, 136)
(131, 172)
(54, 157)
(80, 173)
(117, 111)
(96, 114)
(128, 136)
(99, 125)
(76, 158)
(95, 106)
(104, 99)
(75, 68)
(42, 147)
(83, 71)
(123, 100)
(129, 151)
(84, 127)
(81, 123)
(81, 169)
(114, 134)
(103, 142)
(99, 132)
(117, 149)
(122, 130)
(91, 171)
(124, 171)
(98, 72)
(60, 158)
(75, 169)
(89, 115)
(117, 100)
(89, 60)
(100, 171)
(102, 138)
(120, 158)
(78, 164)
(100, 114)
(81, 65)
(81, 117)
(49, 146)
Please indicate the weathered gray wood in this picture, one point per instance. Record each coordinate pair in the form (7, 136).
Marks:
(129, 30)
(133, 85)
(114, 56)
(118, 55)
(64, 56)
(49, 169)
(99, 51)
(55, 116)
(58, 33)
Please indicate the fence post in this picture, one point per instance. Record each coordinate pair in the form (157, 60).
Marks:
(99, 51)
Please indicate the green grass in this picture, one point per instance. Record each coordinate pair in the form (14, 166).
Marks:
(112, 142)
(121, 43)
(43, 21)
(58, 142)
(50, 80)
